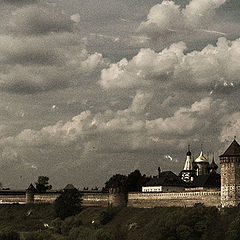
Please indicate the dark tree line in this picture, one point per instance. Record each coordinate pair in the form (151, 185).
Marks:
(131, 183)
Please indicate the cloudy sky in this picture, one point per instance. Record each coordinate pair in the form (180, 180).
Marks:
(93, 88)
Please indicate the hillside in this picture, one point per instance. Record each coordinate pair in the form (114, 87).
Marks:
(38, 222)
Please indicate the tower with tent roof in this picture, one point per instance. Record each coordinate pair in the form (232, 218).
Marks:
(230, 175)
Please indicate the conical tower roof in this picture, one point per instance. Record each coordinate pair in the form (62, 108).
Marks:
(31, 188)
(188, 163)
(233, 150)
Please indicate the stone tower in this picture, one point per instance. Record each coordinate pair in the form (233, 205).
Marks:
(30, 194)
(118, 197)
(230, 175)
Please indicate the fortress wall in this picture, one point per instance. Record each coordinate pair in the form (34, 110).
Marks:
(45, 197)
(139, 200)
(88, 199)
(12, 198)
(188, 199)
(95, 199)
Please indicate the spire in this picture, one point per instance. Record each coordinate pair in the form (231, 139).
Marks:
(159, 171)
(213, 166)
(189, 152)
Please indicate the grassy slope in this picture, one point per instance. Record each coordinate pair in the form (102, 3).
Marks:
(138, 224)
(25, 217)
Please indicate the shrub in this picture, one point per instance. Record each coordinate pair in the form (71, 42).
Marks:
(81, 233)
(56, 224)
(40, 235)
(70, 223)
(68, 203)
(102, 235)
(107, 215)
(9, 236)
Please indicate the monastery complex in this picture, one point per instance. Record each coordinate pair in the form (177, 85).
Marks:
(198, 182)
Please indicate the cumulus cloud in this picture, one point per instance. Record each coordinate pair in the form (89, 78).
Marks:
(146, 66)
(76, 18)
(169, 20)
(131, 125)
(214, 67)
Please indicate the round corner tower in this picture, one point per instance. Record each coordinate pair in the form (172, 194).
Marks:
(230, 175)
(30, 194)
(117, 197)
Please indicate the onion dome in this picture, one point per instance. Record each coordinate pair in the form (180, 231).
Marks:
(189, 153)
(213, 165)
(201, 159)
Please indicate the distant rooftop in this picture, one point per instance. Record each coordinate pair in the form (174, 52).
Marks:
(208, 180)
(166, 178)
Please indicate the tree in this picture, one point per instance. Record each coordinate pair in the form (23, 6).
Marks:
(68, 203)
(135, 180)
(42, 184)
(117, 180)
(132, 182)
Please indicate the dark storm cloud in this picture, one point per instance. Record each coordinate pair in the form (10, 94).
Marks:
(20, 2)
(31, 55)
(35, 20)
(42, 53)
(24, 80)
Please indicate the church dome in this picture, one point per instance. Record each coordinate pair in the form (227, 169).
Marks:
(201, 159)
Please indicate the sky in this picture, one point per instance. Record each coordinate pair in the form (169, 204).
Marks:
(93, 88)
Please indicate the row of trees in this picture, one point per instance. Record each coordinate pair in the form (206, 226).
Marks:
(132, 182)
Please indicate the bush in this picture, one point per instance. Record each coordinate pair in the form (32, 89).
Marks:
(81, 233)
(102, 235)
(68, 203)
(9, 236)
(70, 223)
(40, 235)
(56, 224)
(107, 215)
